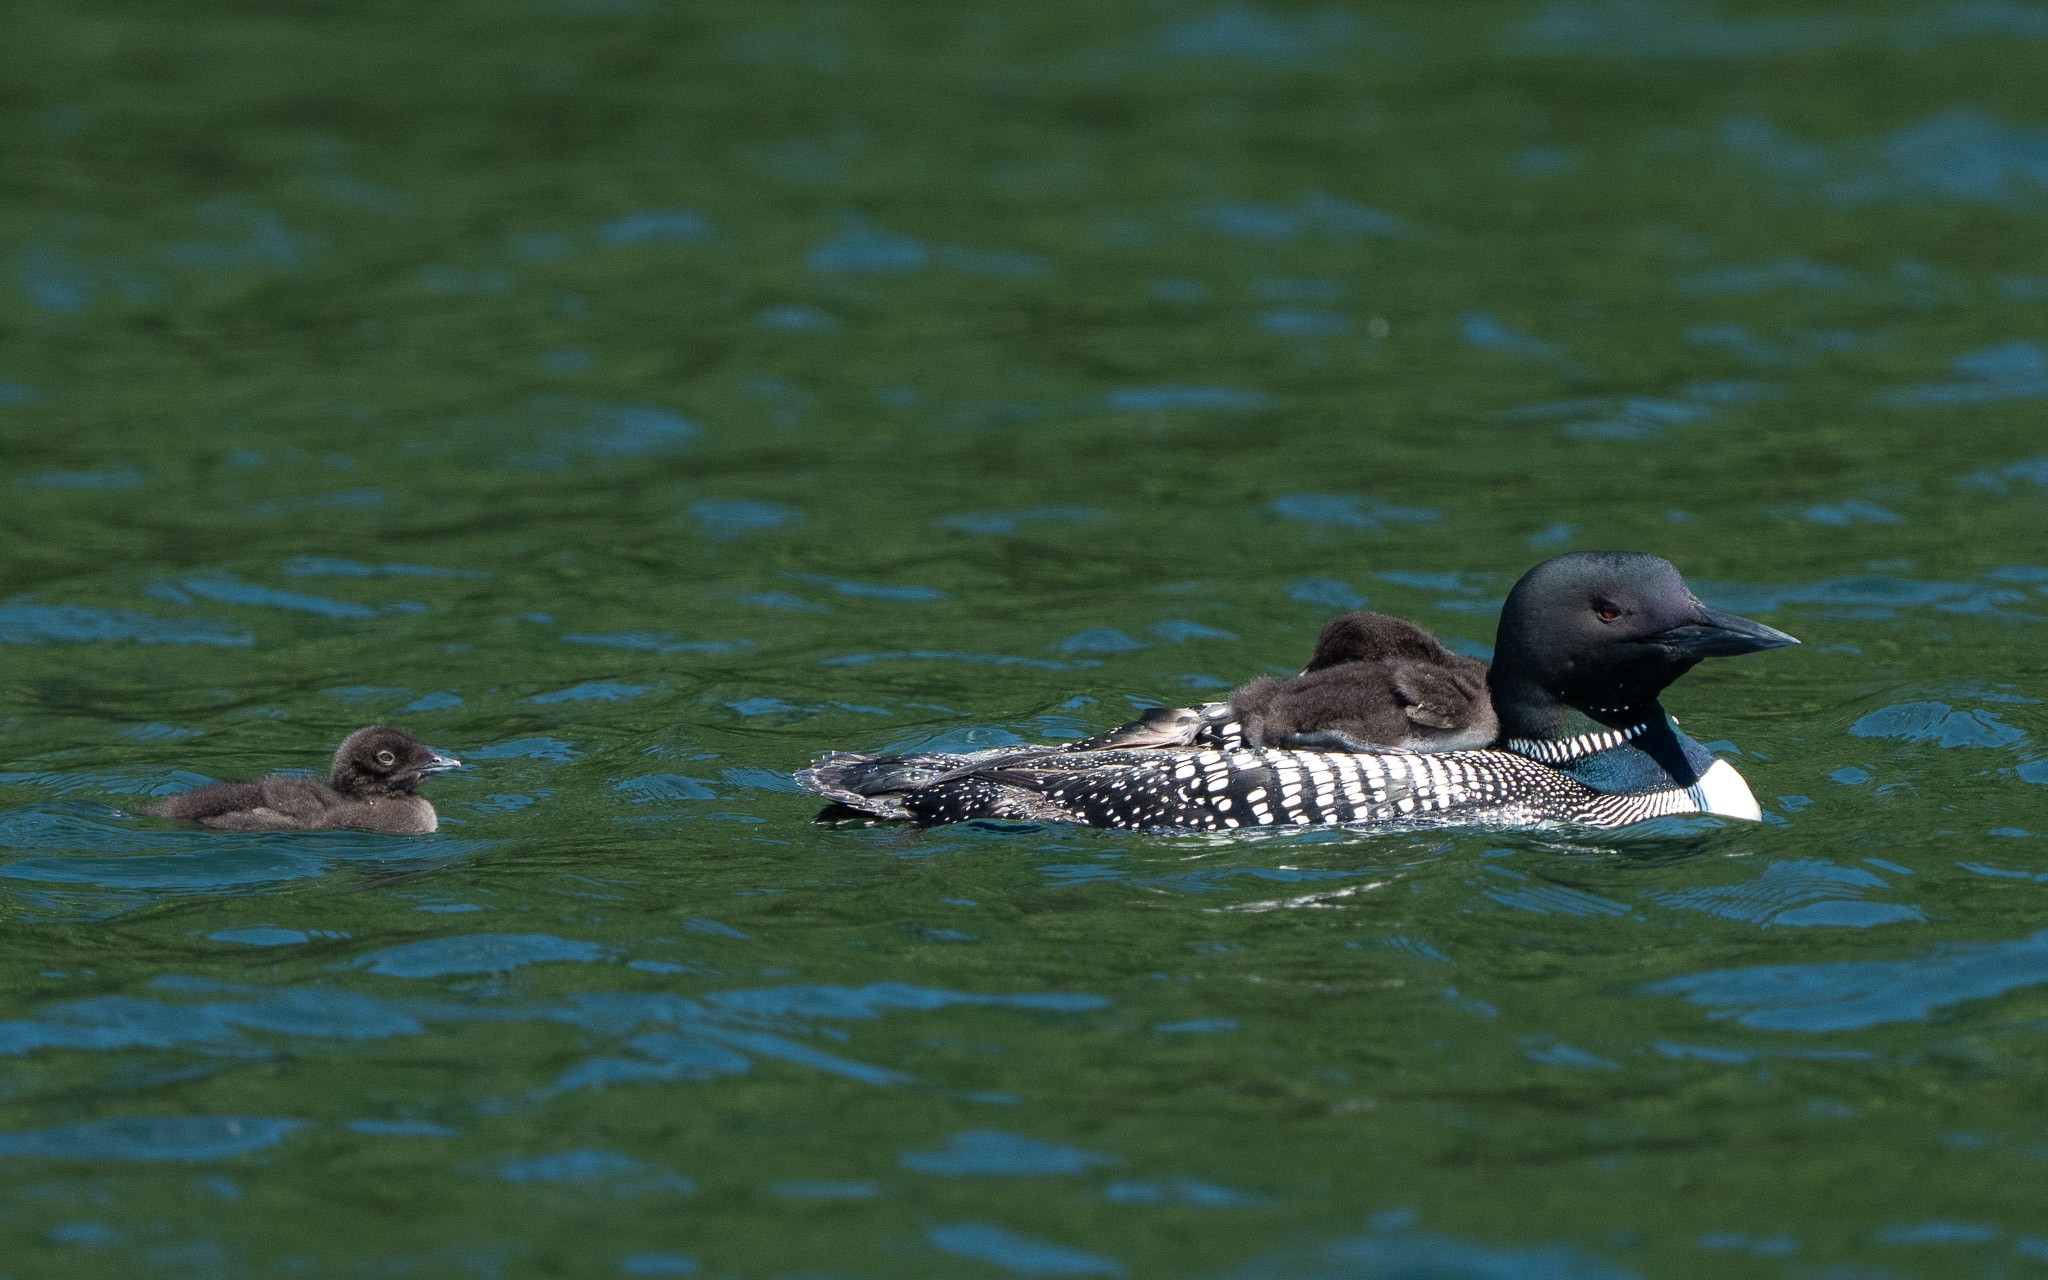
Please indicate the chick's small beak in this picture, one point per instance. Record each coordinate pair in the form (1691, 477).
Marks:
(438, 763)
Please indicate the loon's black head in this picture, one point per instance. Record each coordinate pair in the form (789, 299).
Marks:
(380, 760)
(1603, 633)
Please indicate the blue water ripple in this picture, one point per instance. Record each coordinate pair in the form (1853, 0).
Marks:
(653, 642)
(553, 750)
(330, 567)
(402, 1128)
(1938, 1232)
(664, 786)
(635, 430)
(1938, 723)
(117, 1022)
(656, 225)
(1392, 1251)
(477, 953)
(657, 1263)
(224, 588)
(263, 937)
(819, 1189)
(24, 623)
(121, 476)
(1741, 1242)
(158, 733)
(221, 866)
(666, 1056)
(1962, 156)
(1301, 322)
(352, 694)
(438, 277)
(870, 590)
(1177, 395)
(1967, 18)
(727, 518)
(1315, 213)
(1852, 511)
(1796, 892)
(592, 691)
(1862, 596)
(1348, 511)
(1017, 1254)
(991, 1152)
(1780, 273)
(991, 523)
(1553, 1052)
(427, 702)
(872, 1000)
(1667, 29)
(2032, 471)
(88, 1234)
(1192, 1192)
(152, 1138)
(776, 1047)
(2016, 370)
(540, 246)
(787, 602)
(1326, 593)
(1479, 329)
(1556, 899)
(52, 280)
(861, 247)
(618, 1173)
(2003, 873)
(1849, 995)
(1196, 1027)
(345, 500)
(794, 318)
(1240, 32)
(265, 242)
(1099, 640)
(1180, 631)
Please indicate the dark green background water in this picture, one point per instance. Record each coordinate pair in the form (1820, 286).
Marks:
(637, 397)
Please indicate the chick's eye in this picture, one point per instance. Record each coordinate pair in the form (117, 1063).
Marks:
(385, 757)
(1607, 612)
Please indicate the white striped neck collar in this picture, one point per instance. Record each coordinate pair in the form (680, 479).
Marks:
(1558, 751)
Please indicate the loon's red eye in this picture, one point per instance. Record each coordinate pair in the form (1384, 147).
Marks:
(1607, 612)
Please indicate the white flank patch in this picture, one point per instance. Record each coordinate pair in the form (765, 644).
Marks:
(1721, 790)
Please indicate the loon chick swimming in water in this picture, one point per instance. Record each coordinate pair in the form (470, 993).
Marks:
(1373, 681)
(1587, 642)
(375, 772)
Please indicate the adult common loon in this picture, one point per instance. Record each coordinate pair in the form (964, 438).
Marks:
(375, 771)
(1586, 643)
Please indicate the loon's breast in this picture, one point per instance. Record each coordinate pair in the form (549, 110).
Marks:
(1195, 788)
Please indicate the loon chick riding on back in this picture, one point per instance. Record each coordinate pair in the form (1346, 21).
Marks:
(1586, 643)
(1373, 681)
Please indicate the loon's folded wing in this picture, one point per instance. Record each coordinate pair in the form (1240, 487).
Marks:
(1213, 724)
(1157, 727)
(878, 785)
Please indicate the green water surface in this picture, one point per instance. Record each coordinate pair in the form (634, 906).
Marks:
(636, 398)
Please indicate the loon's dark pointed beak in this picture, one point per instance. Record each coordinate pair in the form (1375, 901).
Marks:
(438, 763)
(1714, 634)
